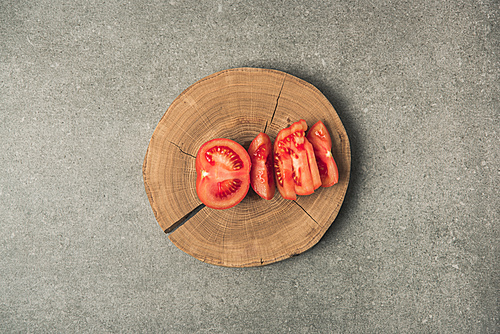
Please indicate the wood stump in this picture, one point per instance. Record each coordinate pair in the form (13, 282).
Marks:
(238, 104)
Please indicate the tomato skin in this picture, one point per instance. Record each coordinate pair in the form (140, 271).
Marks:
(222, 173)
(262, 172)
(322, 143)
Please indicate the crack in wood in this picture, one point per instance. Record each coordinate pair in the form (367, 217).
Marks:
(307, 213)
(182, 151)
(276, 105)
(184, 219)
(265, 128)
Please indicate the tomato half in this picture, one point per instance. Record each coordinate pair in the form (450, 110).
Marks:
(294, 162)
(223, 173)
(261, 173)
(322, 143)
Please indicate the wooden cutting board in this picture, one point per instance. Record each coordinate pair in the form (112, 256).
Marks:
(238, 104)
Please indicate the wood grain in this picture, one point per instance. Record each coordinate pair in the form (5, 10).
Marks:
(238, 104)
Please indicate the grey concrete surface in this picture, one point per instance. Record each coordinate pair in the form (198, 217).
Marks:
(414, 249)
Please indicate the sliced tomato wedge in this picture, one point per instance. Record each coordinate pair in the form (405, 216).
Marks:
(283, 166)
(223, 173)
(262, 173)
(294, 155)
(316, 177)
(322, 143)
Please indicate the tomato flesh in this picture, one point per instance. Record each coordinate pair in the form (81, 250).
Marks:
(261, 173)
(295, 165)
(322, 143)
(222, 173)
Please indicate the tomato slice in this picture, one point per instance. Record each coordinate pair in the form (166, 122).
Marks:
(223, 173)
(322, 143)
(261, 173)
(294, 154)
(311, 157)
(283, 166)
(300, 163)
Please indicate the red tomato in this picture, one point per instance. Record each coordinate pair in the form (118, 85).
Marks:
(261, 173)
(283, 166)
(294, 162)
(223, 173)
(320, 139)
(316, 178)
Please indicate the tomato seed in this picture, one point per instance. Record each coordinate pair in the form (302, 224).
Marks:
(225, 156)
(227, 187)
